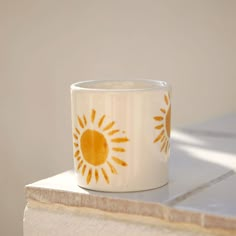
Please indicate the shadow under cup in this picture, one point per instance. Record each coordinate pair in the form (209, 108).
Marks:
(121, 134)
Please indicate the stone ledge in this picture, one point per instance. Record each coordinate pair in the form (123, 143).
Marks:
(132, 207)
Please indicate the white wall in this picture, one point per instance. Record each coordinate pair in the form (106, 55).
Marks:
(46, 45)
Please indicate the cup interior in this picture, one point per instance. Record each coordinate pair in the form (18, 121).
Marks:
(120, 85)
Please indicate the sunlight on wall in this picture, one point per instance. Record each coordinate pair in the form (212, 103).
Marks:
(179, 136)
(221, 158)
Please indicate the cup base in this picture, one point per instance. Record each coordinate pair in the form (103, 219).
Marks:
(120, 187)
(122, 190)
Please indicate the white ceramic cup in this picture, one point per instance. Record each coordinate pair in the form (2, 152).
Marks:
(121, 134)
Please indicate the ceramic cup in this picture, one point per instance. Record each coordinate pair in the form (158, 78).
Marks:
(121, 134)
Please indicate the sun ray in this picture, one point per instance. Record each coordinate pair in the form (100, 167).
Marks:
(93, 114)
(109, 126)
(101, 121)
(89, 176)
(80, 164)
(80, 122)
(159, 126)
(96, 175)
(118, 149)
(166, 99)
(76, 144)
(163, 110)
(120, 140)
(76, 153)
(113, 131)
(84, 169)
(78, 158)
(159, 136)
(163, 138)
(113, 170)
(75, 136)
(105, 176)
(158, 118)
(77, 131)
(167, 144)
(163, 145)
(85, 120)
(119, 161)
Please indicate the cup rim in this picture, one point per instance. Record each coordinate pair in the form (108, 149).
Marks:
(150, 85)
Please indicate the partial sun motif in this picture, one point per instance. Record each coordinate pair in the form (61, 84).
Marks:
(97, 146)
(164, 126)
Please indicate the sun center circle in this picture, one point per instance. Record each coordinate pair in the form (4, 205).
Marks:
(168, 117)
(94, 147)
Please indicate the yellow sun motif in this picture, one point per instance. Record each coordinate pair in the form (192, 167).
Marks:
(164, 126)
(97, 147)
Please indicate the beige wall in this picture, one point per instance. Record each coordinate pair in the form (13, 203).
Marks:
(46, 45)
